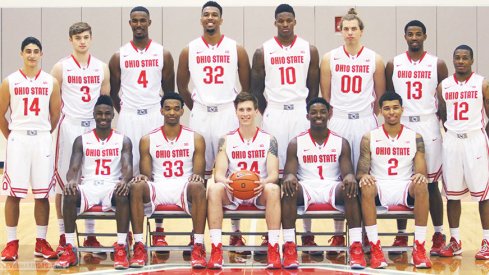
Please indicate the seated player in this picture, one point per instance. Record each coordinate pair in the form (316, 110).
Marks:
(392, 171)
(260, 156)
(103, 159)
(319, 170)
(172, 169)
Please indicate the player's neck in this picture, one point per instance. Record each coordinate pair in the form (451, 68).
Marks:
(30, 72)
(393, 130)
(103, 134)
(461, 77)
(286, 40)
(82, 58)
(319, 135)
(212, 39)
(171, 131)
(141, 43)
(247, 131)
(415, 56)
(353, 49)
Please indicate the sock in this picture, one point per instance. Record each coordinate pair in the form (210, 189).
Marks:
(273, 236)
(485, 234)
(11, 233)
(159, 224)
(438, 229)
(420, 233)
(307, 223)
(42, 230)
(70, 238)
(61, 225)
(235, 225)
(372, 233)
(339, 226)
(216, 236)
(121, 238)
(401, 230)
(89, 226)
(138, 237)
(455, 233)
(199, 238)
(289, 235)
(355, 235)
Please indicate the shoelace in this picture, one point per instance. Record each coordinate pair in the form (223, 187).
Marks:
(375, 249)
(46, 245)
(120, 251)
(66, 254)
(485, 247)
(290, 250)
(420, 248)
(138, 250)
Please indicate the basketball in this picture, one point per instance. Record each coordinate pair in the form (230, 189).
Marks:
(243, 184)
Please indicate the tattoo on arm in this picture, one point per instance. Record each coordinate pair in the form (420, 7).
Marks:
(273, 147)
(221, 144)
(420, 144)
(364, 161)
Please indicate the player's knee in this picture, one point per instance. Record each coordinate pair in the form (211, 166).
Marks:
(196, 188)
(272, 189)
(121, 200)
(215, 190)
(70, 199)
(137, 188)
(368, 192)
(420, 190)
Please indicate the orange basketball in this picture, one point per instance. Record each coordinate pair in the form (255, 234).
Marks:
(243, 184)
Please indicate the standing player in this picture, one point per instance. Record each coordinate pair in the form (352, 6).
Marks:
(414, 75)
(83, 79)
(234, 149)
(172, 172)
(463, 102)
(317, 160)
(32, 96)
(99, 174)
(389, 156)
(352, 80)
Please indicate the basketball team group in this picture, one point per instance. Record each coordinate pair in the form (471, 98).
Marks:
(308, 150)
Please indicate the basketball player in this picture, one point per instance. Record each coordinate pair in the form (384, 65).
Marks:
(32, 96)
(352, 80)
(463, 101)
(99, 174)
(139, 70)
(316, 161)
(172, 172)
(389, 156)
(212, 62)
(414, 75)
(234, 149)
(284, 76)
(83, 79)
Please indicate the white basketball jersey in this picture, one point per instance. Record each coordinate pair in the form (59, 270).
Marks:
(416, 82)
(29, 101)
(172, 159)
(464, 101)
(213, 70)
(81, 86)
(352, 80)
(319, 162)
(392, 158)
(286, 69)
(141, 75)
(248, 155)
(102, 158)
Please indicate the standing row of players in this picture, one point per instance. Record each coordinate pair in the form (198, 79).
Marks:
(352, 79)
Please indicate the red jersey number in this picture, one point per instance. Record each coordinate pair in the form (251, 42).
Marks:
(213, 75)
(173, 169)
(32, 107)
(253, 167)
(351, 84)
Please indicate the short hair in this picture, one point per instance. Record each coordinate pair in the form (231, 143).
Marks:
(415, 23)
(352, 15)
(172, 95)
(284, 8)
(389, 96)
(465, 47)
(104, 99)
(78, 28)
(30, 40)
(319, 100)
(139, 8)
(245, 96)
(212, 4)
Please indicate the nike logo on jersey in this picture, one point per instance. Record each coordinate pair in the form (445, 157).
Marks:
(378, 140)
(478, 157)
(434, 139)
(398, 65)
(234, 147)
(336, 58)
(305, 150)
(199, 52)
(69, 70)
(159, 145)
(15, 84)
(125, 55)
(367, 60)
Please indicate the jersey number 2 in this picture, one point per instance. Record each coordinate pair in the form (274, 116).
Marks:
(393, 165)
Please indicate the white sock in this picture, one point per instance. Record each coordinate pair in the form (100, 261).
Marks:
(455, 233)
(89, 226)
(235, 225)
(138, 237)
(289, 235)
(11, 233)
(438, 229)
(121, 238)
(307, 223)
(372, 233)
(199, 238)
(401, 230)
(485, 234)
(420, 233)
(216, 236)
(355, 234)
(70, 238)
(42, 230)
(273, 236)
(339, 226)
(61, 225)
(159, 224)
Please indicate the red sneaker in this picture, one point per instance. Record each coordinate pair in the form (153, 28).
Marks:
(333, 241)
(238, 240)
(377, 259)
(139, 256)
(44, 249)
(198, 256)
(159, 240)
(10, 252)
(308, 240)
(91, 241)
(187, 253)
(451, 249)
(273, 257)
(290, 255)
(264, 243)
(399, 241)
(439, 241)
(61, 244)
(120, 257)
(419, 259)
(357, 258)
(68, 258)
(483, 253)
(215, 262)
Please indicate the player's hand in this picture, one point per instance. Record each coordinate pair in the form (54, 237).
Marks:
(71, 188)
(290, 185)
(226, 182)
(140, 177)
(350, 186)
(419, 179)
(366, 180)
(196, 178)
(122, 189)
(257, 190)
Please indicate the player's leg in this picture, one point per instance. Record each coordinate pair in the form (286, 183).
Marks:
(70, 205)
(12, 211)
(140, 200)
(270, 198)
(289, 216)
(419, 193)
(483, 253)
(122, 214)
(195, 194)
(217, 196)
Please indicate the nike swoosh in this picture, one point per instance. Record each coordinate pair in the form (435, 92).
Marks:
(378, 140)
(125, 55)
(398, 65)
(336, 58)
(159, 145)
(235, 147)
(434, 139)
(305, 150)
(69, 70)
(200, 52)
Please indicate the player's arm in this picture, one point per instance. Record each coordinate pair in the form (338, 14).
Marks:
(485, 94)
(183, 78)
(57, 72)
(222, 163)
(290, 181)
(258, 79)
(4, 105)
(105, 87)
(115, 80)
(122, 188)
(442, 106)
(167, 73)
(389, 70)
(198, 160)
(272, 167)
(54, 105)
(420, 170)
(326, 77)
(72, 176)
(379, 81)
(313, 74)
(243, 69)
(364, 162)
(346, 167)
(145, 159)
(441, 70)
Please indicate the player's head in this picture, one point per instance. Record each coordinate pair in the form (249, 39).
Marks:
(246, 106)
(139, 22)
(351, 27)
(463, 58)
(391, 107)
(285, 20)
(103, 112)
(31, 51)
(172, 108)
(415, 35)
(318, 112)
(80, 36)
(211, 17)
